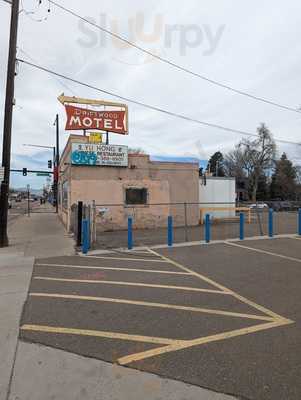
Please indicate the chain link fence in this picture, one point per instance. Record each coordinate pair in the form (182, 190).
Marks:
(108, 223)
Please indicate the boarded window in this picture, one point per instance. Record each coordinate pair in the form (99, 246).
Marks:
(136, 196)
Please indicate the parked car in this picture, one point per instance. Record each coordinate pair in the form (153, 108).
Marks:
(259, 206)
(282, 205)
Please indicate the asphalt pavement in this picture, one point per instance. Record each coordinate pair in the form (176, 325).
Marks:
(222, 316)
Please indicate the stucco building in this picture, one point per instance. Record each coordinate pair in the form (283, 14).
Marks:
(147, 190)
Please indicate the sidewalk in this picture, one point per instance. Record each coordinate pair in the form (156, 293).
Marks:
(40, 235)
(34, 372)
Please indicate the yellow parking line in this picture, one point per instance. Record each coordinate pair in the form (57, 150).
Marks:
(150, 304)
(126, 259)
(264, 252)
(155, 271)
(103, 334)
(185, 288)
(224, 288)
(196, 342)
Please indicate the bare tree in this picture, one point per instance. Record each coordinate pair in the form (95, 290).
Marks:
(252, 158)
(258, 156)
(234, 163)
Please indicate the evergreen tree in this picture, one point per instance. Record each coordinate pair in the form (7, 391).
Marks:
(283, 185)
(216, 164)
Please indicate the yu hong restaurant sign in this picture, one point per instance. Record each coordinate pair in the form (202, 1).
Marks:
(99, 154)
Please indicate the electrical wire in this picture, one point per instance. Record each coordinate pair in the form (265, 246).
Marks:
(57, 80)
(31, 13)
(150, 107)
(174, 65)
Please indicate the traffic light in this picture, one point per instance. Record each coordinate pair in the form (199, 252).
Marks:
(49, 164)
(24, 171)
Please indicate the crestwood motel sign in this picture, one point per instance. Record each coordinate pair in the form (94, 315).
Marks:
(114, 117)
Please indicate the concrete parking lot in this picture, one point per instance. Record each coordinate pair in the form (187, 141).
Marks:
(223, 316)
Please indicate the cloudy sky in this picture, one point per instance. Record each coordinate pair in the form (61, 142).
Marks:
(253, 46)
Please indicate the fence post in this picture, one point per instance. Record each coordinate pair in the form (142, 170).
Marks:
(130, 233)
(271, 225)
(207, 228)
(241, 226)
(79, 223)
(299, 222)
(85, 246)
(89, 233)
(185, 220)
(170, 232)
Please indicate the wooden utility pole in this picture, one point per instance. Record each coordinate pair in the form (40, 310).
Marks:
(8, 114)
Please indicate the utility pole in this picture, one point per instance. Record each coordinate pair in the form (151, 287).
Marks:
(8, 114)
(57, 162)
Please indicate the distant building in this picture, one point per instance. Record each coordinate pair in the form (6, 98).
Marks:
(242, 192)
(217, 193)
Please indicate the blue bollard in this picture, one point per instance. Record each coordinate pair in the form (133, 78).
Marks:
(85, 236)
(271, 223)
(241, 226)
(207, 228)
(130, 233)
(170, 232)
(299, 222)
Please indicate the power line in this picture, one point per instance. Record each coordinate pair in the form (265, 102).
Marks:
(150, 107)
(173, 64)
(57, 80)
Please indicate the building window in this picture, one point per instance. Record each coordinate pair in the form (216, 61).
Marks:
(136, 196)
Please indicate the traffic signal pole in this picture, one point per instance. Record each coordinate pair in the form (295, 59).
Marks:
(57, 162)
(8, 114)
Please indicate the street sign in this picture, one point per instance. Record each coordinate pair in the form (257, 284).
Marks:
(1, 174)
(43, 174)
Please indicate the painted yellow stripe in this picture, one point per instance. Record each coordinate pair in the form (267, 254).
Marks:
(224, 288)
(264, 252)
(150, 304)
(113, 269)
(138, 284)
(127, 259)
(196, 342)
(102, 334)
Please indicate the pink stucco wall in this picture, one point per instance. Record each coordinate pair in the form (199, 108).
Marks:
(166, 183)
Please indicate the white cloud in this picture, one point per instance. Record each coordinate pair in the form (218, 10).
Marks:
(258, 52)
